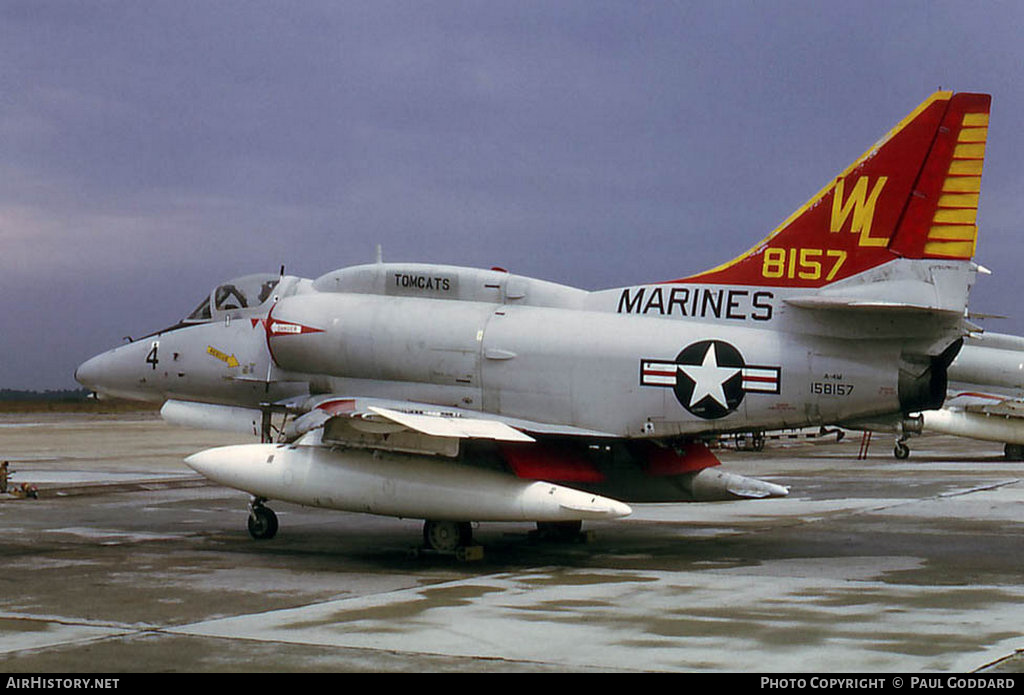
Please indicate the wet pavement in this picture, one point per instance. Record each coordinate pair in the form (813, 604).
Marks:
(128, 562)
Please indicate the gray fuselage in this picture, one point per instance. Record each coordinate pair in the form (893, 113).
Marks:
(662, 360)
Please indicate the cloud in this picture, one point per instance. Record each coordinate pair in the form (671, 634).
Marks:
(154, 149)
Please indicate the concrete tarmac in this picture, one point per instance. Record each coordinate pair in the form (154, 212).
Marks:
(128, 562)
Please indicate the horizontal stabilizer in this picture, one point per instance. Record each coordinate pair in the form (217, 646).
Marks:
(865, 305)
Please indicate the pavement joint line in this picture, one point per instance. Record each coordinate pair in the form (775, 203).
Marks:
(996, 662)
(114, 631)
(798, 521)
(73, 622)
(901, 502)
(980, 488)
(394, 650)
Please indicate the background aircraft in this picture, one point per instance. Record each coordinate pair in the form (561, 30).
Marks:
(986, 395)
(457, 395)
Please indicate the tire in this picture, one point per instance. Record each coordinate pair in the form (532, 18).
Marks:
(447, 536)
(262, 523)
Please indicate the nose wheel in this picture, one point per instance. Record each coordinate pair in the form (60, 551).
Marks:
(262, 520)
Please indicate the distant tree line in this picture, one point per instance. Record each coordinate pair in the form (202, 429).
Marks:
(58, 395)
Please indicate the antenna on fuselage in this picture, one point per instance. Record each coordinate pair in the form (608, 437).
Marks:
(380, 253)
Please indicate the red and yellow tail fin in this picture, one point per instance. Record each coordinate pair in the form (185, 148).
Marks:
(914, 195)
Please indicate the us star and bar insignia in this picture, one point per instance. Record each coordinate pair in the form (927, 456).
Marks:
(710, 378)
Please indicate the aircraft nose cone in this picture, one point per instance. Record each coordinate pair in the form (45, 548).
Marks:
(200, 462)
(233, 466)
(212, 464)
(87, 373)
(117, 374)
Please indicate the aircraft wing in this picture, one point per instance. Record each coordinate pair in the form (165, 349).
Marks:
(439, 424)
(986, 404)
(531, 450)
(440, 421)
(364, 421)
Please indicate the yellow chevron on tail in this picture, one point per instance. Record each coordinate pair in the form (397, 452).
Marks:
(954, 230)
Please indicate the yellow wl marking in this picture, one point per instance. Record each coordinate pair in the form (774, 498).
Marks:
(861, 205)
(229, 360)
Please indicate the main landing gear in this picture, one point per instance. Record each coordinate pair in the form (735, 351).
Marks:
(442, 537)
(450, 538)
(447, 536)
(911, 424)
(262, 520)
(456, 537)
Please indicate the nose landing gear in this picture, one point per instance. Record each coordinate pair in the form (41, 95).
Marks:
(262, 520)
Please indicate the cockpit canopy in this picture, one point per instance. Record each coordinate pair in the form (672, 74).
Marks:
(235, 296)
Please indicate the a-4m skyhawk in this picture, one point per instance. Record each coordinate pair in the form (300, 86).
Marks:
(457, 395)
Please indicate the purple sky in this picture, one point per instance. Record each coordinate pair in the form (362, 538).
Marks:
(153, 149)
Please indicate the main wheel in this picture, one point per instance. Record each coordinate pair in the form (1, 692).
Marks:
(447, 536)
(758, 441)
(262, 523)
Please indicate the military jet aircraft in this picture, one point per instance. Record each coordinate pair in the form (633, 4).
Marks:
(459, 395)
(985, 399)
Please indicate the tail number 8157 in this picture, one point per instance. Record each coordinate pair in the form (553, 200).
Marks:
(802, 264)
